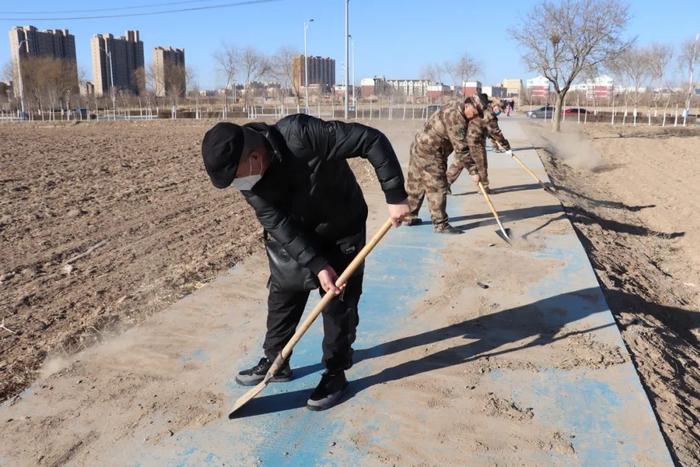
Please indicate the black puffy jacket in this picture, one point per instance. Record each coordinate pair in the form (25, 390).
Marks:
(309, 192)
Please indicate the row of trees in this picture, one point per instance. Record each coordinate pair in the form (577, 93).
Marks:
(643, 72)
(247, 65)
(642, 78)
(584, 38)
(237, 66)
(458, 71)
(642, 68)
(49, 83)
(52, 84)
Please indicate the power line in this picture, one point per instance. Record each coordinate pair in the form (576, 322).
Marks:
(93, 10)
(152, 13)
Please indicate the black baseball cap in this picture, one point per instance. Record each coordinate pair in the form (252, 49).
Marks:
(222, 148)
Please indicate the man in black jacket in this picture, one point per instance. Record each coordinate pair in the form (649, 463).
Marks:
(295, 176)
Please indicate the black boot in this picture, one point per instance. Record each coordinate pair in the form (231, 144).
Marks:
(328, 392)
(412, 220)
(253, 376)
(446, 228)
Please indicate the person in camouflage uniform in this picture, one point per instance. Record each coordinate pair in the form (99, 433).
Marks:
(479, 130)
(445, 131)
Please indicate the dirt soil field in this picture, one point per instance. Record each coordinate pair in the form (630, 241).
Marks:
(633, 195)
(101, 225)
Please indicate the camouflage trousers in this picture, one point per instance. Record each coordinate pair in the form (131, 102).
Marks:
(426, 178)
(461, 163)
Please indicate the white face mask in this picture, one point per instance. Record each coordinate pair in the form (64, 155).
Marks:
(246, 183)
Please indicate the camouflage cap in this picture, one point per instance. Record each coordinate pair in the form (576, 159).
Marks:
(495, 102)
(477, 101)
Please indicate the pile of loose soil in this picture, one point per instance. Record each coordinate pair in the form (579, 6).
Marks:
(631, 194)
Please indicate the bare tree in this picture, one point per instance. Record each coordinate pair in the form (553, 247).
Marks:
(66, 81)
(688, 58)
(6, 72)
(637, 66)
(450, 68)
(659, 57)
(228, 63)
(194, 90)
(284, 71)
(152, 78)
(589, 77)
(32, 83)
(431, 72)
(6, 76)
(50, 82)
(139, 80)
(581, 34)
(464, 68)
(642, 68)
(460, 70)
(152, 85)
(254, 65)
(175, 77)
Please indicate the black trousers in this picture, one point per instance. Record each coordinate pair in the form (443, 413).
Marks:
(340, 317)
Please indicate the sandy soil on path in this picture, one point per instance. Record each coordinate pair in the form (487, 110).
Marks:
(446, 379)
(633, 195)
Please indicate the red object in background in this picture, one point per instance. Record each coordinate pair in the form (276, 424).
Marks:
(574, 111)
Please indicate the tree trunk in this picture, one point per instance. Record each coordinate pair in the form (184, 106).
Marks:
(558, 107)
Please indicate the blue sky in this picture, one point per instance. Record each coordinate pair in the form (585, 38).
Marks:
(394, 38)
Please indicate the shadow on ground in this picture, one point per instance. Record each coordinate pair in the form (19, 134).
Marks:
(510, 215)
(605, 203)
(582, 216)
(541, 322)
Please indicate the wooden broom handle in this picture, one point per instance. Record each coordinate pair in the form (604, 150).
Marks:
(527, 169)
(488, 200)
(347, 273)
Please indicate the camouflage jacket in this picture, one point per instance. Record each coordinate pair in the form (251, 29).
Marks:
(479, 129)
(493, 131)
(448, 130)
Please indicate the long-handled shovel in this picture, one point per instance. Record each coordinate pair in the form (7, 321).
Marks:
(287, 350)
(548, 188)
(503, 232)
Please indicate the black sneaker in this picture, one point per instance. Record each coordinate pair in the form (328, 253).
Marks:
(328, 392)
(253, 376)
(446, 229)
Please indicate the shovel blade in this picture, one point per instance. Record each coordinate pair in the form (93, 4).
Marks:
(245, 398)
(504, 234)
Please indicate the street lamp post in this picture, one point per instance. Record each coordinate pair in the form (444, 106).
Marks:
(306, 67)
(354, 101)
